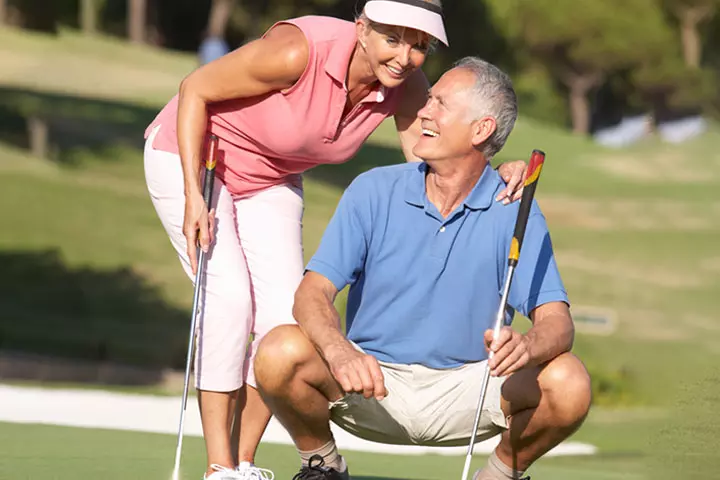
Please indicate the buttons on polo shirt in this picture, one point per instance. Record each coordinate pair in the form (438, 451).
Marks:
(442, 229)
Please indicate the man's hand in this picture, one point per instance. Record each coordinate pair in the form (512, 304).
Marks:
(510, 351)
(513, 173)
(357, 372)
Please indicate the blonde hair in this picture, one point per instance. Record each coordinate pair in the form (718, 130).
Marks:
(372, 25)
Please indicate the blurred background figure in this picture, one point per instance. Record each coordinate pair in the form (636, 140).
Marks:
(214, 45)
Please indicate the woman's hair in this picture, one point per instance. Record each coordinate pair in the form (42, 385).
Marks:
(374, 26)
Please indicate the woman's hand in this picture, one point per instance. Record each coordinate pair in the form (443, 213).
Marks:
(198, 227)
(513, 173)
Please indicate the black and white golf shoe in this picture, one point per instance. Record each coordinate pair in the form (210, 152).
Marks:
(316, 470)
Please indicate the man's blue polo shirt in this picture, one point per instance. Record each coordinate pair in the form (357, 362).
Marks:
(424, 289)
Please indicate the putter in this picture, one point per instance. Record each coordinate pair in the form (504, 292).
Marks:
(536, 162)
(210, 163)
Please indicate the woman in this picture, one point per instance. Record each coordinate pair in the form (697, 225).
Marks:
(309, 92)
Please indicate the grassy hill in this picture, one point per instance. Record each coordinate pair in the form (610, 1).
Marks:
(90, 273)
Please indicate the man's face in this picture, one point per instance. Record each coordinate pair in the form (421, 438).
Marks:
(448, 129)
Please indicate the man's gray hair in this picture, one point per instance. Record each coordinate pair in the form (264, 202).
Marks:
(492, 95)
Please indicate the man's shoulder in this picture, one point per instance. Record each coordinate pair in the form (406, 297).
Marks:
(507, 214)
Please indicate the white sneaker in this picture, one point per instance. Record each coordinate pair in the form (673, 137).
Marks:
(248, 471)
(223, 473)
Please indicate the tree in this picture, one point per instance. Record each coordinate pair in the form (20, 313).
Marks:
(690, 14)
(3, 11)
(89, 12)
(670, 87)
(137, 15)
(581, 42)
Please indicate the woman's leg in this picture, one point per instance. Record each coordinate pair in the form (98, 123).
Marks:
(270, 231)
(226, 303)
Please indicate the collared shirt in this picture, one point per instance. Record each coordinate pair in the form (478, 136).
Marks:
(423, 288)
(270, 140)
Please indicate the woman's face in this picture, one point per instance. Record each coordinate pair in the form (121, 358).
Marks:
(393, 52)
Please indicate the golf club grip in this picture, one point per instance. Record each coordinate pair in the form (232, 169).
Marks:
(210, 162)
(537, 159)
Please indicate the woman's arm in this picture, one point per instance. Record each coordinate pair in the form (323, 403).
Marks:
(274, 62)
(413, 98)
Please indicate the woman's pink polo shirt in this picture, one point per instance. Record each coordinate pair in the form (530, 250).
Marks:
(270, 140)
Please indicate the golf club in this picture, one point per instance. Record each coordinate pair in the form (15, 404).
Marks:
(210, 162)
(536, 162)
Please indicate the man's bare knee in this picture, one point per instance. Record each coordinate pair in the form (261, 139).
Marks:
(279, 356)
(566, 383)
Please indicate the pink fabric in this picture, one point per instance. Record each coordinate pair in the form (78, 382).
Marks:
(270, 141)
(253, 268)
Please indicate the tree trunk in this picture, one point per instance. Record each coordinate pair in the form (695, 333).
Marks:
(219, 17)
(3, 11)
(88, 16)
(39, 136)
(580, 108)
(137, 10)
(692, 48)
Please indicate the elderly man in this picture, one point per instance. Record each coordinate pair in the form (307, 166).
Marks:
(423, 247)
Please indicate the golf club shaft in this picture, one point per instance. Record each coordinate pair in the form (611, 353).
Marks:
(210, 163)
(536, 162)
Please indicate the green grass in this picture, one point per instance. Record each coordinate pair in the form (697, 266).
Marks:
(61, 453)
(635, 231)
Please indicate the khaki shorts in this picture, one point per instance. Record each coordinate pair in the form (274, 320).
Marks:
(424, 406)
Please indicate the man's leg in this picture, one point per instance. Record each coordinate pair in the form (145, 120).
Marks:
(546, 405)
(298, 386)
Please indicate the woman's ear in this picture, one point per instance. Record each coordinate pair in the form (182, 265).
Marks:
(362, 28)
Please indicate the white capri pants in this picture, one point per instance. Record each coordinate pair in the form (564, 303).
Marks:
(252, 272)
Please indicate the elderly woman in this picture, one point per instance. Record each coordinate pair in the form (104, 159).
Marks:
(309, 92)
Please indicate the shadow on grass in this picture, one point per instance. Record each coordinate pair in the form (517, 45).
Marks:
(77, 123)
(355, 477)
(369, 156)
(72, 121)
(98, 317)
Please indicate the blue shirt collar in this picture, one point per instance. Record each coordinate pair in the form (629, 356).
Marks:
(481, 196)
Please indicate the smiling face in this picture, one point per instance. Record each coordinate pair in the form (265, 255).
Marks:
(393, 53)
(449, 131)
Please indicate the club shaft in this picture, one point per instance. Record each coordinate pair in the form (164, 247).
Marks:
(499, 322)
(537, 160)
(188, 363)
(207, 190)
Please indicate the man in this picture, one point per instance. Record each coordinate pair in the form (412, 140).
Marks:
(423, 247)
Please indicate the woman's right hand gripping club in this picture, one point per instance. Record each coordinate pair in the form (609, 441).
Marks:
(198, 227)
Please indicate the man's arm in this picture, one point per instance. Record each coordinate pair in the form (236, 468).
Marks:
(317, 316)
(315, 312)
(538, 293)
(414, 96)
(552, 333)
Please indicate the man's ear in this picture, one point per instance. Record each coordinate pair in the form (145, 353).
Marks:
(483, 129)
